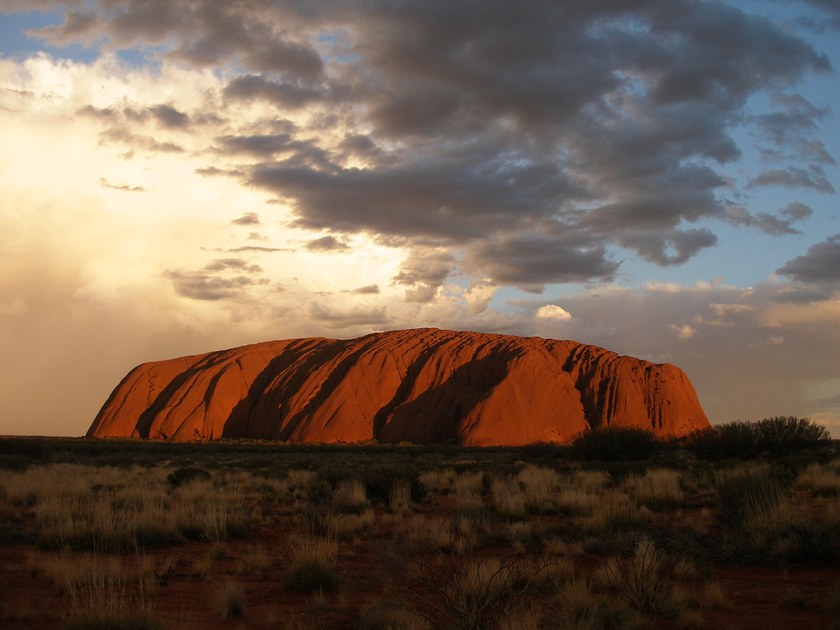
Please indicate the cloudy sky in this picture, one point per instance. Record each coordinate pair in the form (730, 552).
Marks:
(658, 177)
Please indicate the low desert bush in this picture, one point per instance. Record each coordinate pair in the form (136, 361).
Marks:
(463, 592)
(611, 444)
(645, 580)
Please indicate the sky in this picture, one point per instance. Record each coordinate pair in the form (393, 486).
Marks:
(656, 177)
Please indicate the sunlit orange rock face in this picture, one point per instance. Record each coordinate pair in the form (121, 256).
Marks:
(423, 385)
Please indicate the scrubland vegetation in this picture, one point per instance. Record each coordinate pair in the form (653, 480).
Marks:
(616, 531)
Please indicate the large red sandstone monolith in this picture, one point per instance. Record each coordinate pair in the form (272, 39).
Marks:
(423, 385)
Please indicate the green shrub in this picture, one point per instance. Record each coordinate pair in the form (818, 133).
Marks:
(615, 444)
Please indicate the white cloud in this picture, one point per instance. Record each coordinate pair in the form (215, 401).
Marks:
(552, 311)
(686, 331)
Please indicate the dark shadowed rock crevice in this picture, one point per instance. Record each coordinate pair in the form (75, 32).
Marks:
(421, 385)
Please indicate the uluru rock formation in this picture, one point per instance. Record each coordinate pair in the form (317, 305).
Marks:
(423, 385)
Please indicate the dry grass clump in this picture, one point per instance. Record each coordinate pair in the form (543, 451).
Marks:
(467, 490)
(347, 526)
(436, 533)
(391, 615)
(399, 498)
(256, 559)
(312, 565)
(754, 503)
(657, 488)
(103, 593)
(540, 487)
(591, 480)
(230, 599)
(439, 481)
(822, 480)
(508, 499)
(613, 511)
(578, 606)
(69, 571)
(557, 546)
(350, 496)
(715, 597)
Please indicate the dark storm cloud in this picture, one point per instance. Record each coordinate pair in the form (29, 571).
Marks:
(221, 279)
(672, 247)
(136, 141)
(451, 198)
(831, 8)
(326, 244)
(529, 262)
(201, 32)
(259, 144)
(336, 318)
(481, 124)
(793, 178)
(76, 26)
(796, 211)
(249, 218)
(821, 263)
(289, 94)
(774, 225)
(165, 116)
(370, 289)
(792, 131)
(257, 248)
(170, 117)
(423, 272)
(124, 187)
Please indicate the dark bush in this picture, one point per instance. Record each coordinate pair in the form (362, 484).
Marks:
(785, 434)
(312, 575)
(779, 435)
(380, 480)
(615, 444)
(180, 476)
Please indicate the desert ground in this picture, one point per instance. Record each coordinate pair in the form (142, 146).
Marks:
(128, 534)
